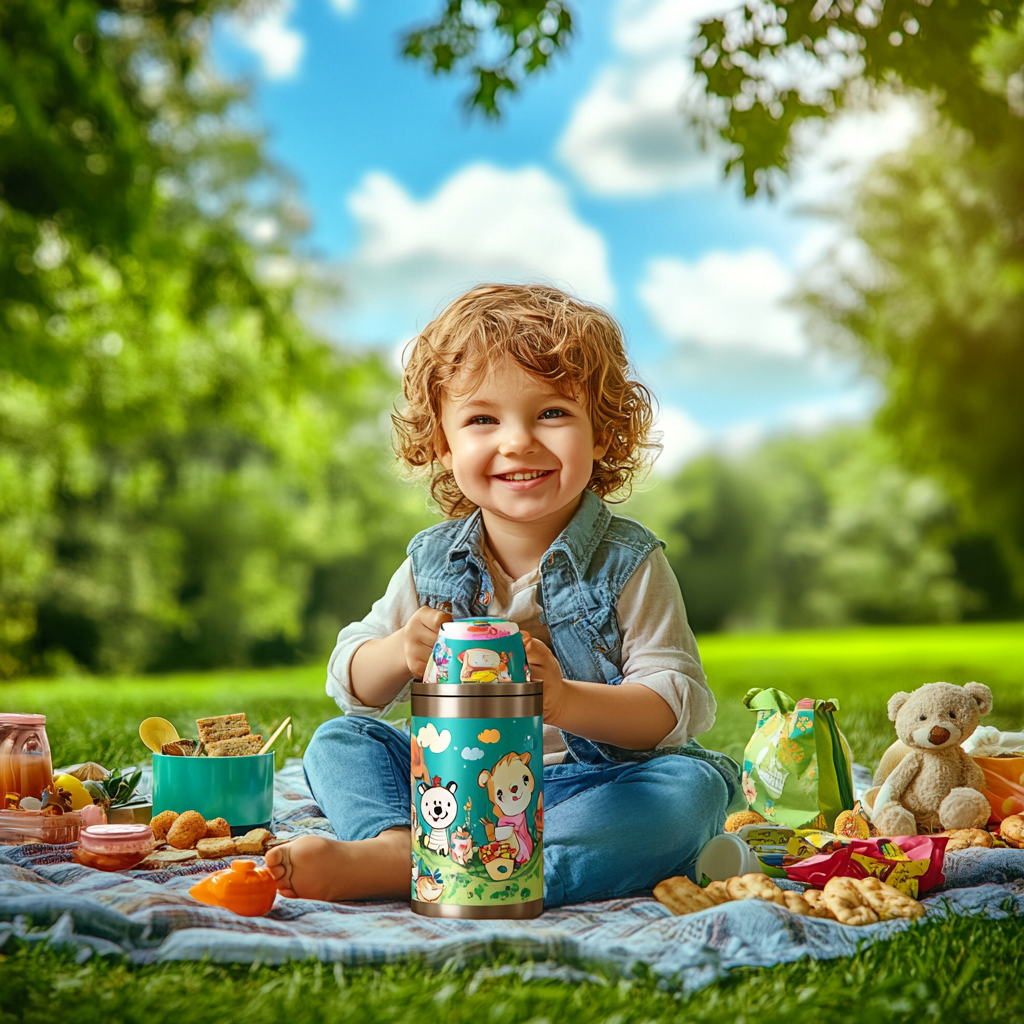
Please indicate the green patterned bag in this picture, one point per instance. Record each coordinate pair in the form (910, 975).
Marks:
(796, 768)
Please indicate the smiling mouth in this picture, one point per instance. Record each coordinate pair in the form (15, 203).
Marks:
(533, 474)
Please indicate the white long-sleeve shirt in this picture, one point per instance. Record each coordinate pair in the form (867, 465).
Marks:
(658, 648)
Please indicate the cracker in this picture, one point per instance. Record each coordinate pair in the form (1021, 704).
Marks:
(844, 898)
(222, 727)
(167, 858)
(754, 886)
(217, 828)
(886, 901)
(796, 904)
(238, 746)
(815, 900)
(254, 841)
(964, 838)
(716, 892)
(681, 896)
(187, 830)
(214, 849)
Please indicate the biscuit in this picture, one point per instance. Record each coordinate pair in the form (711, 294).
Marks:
(844, 898)
(214, 849)
(238, 746)
(187, 830)
(815, 900)
(796, 904)
(161, 859)
(1011, 831)
(851, 825)
(254, 841)
(222, 727)
(963, 838)
(716, 892)
(217, 828)
(681, 896)
(754, 886)
(886, 901)
(161, 823)
(736, 821)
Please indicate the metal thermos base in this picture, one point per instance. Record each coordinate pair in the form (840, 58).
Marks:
(513, 911)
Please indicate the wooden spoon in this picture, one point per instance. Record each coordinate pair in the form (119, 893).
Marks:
(277, 732)
(155, 732)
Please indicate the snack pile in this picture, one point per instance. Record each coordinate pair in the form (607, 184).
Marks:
(186, 837)
(850, 901)
(220, 736)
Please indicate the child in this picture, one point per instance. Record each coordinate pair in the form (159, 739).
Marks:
(520, 405)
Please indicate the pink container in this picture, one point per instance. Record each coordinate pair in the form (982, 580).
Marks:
(114, 847)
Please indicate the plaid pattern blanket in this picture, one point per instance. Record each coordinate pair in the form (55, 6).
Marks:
(148, 916)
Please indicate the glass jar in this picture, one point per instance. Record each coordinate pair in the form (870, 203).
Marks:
(25, 765)
(113, 847)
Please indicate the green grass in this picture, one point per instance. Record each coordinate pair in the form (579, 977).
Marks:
(958, 969)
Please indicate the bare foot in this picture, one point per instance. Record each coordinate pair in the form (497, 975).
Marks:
(314, 868)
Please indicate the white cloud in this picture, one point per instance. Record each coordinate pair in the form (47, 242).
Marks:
(683, 439)
(725, 301)
(472, 753)
(483, 223)
(628, 134)
(278, 45)
(434, 741)
(344, 6)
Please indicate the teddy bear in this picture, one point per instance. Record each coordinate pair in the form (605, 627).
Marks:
(928, 782)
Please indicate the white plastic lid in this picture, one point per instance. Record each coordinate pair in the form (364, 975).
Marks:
(724, 857)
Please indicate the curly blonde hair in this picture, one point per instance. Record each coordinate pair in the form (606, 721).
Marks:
(576, 347)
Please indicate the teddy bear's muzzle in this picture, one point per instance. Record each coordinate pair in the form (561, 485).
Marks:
(938, 736)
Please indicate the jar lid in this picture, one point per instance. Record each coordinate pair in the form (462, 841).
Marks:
(116, 838)
(14, 719)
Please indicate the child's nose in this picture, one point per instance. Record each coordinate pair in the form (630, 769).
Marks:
(517, 439)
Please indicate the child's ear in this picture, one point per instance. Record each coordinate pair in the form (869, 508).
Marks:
(602, 442)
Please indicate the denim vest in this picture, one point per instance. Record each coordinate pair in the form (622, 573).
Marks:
(581, 577)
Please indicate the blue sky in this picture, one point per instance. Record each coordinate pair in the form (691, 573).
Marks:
(592, 181)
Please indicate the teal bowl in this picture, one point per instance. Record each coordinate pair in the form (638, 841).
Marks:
(238, 789)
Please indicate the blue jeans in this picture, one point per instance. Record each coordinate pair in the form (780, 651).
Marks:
(609, 830)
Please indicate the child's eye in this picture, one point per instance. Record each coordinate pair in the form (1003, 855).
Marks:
(553, 414)
(482, 420)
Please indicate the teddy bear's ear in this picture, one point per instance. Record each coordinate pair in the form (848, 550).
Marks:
(982, 694)
(896, 701)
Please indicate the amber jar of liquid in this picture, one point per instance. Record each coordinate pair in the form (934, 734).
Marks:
(25, 766)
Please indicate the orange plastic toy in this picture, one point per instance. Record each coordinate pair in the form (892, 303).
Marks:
(242, 888)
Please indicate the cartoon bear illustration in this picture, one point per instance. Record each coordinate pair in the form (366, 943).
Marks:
(439, 809)
(480, 665)
(510, 785)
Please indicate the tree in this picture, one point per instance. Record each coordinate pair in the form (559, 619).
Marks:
(187, 475)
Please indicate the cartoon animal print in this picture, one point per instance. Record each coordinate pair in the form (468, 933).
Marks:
(510, 785)
(437, 664)
(429, 885)
(439, 809)
(480, 665)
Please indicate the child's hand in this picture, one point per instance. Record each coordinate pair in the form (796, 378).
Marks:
(544, 665)
(418, 637)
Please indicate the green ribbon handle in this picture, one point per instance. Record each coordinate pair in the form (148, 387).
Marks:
(770, 699)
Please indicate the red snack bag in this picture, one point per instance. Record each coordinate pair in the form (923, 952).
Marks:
(912, 864)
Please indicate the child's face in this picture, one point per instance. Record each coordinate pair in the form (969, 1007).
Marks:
(518, 448)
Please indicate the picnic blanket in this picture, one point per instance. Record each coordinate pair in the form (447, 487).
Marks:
(149, 917)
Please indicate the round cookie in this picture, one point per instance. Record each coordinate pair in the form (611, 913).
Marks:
(217, 828)
(187, 830)
(736, 821)
(162, 823)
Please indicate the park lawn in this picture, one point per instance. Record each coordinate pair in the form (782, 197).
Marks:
(960, 968)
